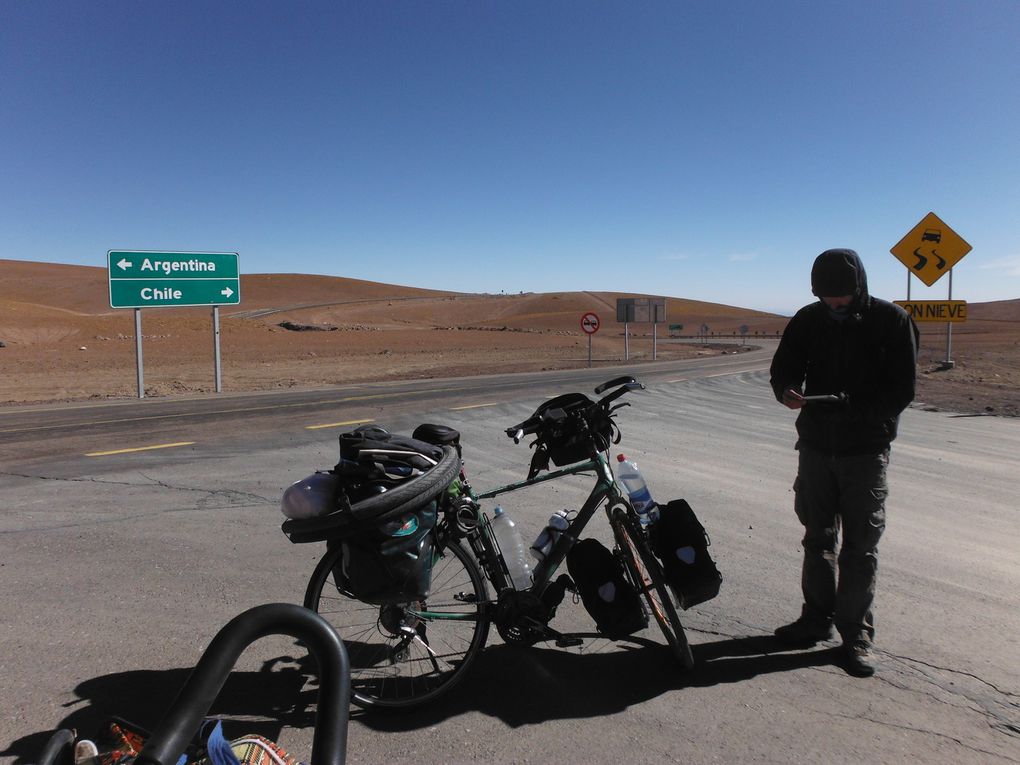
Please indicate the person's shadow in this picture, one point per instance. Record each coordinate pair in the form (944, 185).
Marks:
(520, 686)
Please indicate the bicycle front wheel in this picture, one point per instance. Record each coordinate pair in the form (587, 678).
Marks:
(406, 654)
(646, 574)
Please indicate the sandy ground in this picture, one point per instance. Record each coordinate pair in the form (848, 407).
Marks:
(62, 342)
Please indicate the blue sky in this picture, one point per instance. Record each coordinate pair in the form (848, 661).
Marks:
(699, 150)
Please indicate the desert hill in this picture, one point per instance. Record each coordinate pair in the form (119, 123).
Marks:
(62, 341)
(83, 290)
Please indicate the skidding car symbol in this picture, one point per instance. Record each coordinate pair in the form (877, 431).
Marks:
(932, 235)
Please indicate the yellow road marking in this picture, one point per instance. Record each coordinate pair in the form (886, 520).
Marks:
(337, 424)
(139, 449)
(473, 406)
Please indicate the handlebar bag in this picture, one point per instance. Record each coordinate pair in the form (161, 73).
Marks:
(390, 562)
(607, 595)
(681, 543)
(571, 425)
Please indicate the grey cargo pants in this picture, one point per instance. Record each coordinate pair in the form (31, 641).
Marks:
(834, 493)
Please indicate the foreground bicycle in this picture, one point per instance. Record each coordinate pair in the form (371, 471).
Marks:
(407, 649)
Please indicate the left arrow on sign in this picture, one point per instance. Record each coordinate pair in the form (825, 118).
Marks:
(124, 263)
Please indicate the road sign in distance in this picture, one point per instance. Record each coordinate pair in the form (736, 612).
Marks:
(641, 310)
(930, 249)
(142, 279)
(590, 323)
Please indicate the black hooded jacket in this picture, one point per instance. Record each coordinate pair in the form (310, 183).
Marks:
(870, 354)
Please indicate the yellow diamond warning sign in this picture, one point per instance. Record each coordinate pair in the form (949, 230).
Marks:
(930, 249)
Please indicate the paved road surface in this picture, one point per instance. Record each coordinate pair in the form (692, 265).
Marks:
(118, 568)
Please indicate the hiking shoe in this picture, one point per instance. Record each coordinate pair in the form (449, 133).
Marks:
(804, 632)
(859, 658)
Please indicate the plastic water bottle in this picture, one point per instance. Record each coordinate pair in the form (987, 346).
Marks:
(557, 524)
(632, 480)
(512, 546)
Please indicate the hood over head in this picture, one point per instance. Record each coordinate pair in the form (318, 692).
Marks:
(839, 272)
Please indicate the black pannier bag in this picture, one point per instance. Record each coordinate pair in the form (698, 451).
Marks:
(605, 592)
(390, 562)
(681, 543)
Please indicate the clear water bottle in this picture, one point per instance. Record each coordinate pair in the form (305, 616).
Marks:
(512, 546)
(557, 524)
(632, 480)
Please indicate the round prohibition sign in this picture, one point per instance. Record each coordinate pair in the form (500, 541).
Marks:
(590, 323)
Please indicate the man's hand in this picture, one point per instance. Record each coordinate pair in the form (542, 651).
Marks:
(792, 399)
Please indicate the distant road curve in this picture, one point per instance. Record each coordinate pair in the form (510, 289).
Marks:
(602, 300)
(258, 313)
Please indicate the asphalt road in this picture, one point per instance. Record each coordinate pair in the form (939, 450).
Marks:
(117, 569)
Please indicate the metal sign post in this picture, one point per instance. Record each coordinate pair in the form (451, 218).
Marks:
(216, 347)
(590, 325)
(138, 353)
(949, 329)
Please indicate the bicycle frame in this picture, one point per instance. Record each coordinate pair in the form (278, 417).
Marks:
(487, 552)
(605, 489)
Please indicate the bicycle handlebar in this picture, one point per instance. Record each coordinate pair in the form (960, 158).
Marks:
(530, 426)
(329, 742)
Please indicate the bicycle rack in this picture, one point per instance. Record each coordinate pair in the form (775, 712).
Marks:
(182, 719)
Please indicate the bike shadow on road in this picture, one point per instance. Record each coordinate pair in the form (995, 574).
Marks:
(525, 686)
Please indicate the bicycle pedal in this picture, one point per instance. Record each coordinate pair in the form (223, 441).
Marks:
(568, 642)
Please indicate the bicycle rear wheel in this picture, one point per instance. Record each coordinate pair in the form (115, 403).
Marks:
(646, 574)
(406, 654)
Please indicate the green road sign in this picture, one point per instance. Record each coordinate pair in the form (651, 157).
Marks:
(141, 279)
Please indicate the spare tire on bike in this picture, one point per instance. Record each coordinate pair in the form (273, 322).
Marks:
(373, 460)
(380, 477)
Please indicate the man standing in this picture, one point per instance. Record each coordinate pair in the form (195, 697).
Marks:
(859, 354)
